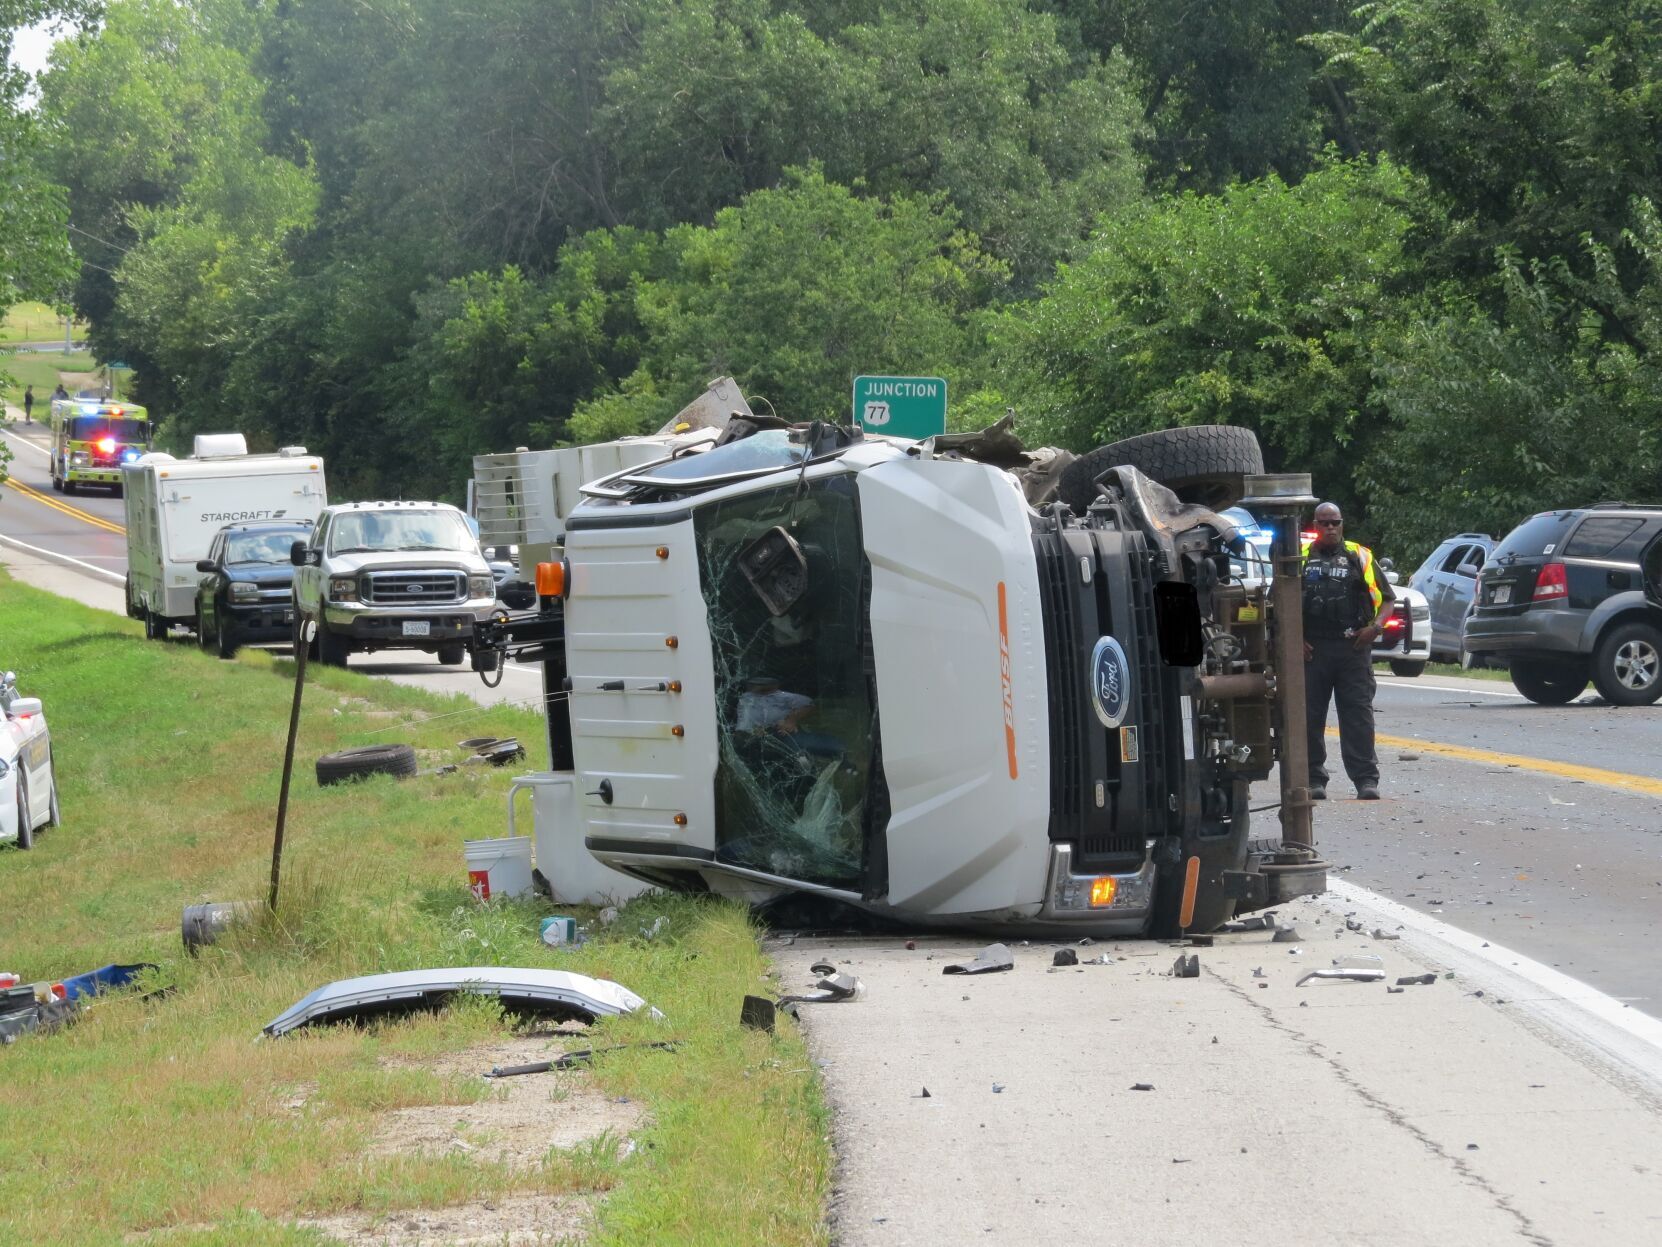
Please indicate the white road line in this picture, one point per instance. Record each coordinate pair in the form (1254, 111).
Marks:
(1414, 685)
(1621, 1034)
(23, 441)
(52, 556)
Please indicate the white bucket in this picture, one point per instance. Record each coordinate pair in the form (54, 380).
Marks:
(498, 867)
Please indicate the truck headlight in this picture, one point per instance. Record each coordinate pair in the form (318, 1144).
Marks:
(78, 458)
(343, 589)
(481, 586)
(243, 591)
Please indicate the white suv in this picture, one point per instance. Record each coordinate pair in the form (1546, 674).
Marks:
(392, 575)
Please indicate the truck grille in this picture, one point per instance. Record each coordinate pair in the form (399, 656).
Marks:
(415, 588)
(274, 591)
(1067, 680)
(1158, 732)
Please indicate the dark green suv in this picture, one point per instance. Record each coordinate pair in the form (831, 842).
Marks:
(1562, 601)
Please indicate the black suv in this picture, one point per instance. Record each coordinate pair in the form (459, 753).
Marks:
(1562, 600)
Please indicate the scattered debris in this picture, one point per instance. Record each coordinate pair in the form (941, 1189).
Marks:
(991, 959)
(570, 1060)
(757, 1013)
(1285, 935)
(1352, 925)
(998, 1088)
(1065, 957)
(1186, 967)
(1200, 941)
(822, 968)
(1101, 959)
(1263, 922)
(660, 924)
(924, 1096)
(911, 945)
(1142, 1086)
(1410, 980)
(525, 989)
(1408, 757)
(1257, 972)
(832, 989)
(1379, 933)
(1085, 941)
(607, 916)
(1396, 991)
(1348, 975)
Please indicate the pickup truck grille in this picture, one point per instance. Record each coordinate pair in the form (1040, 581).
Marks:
(274, 591)
(415, 588)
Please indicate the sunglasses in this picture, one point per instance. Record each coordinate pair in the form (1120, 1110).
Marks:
(1329, 523)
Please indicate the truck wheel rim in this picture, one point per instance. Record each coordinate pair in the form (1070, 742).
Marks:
(1636, 665)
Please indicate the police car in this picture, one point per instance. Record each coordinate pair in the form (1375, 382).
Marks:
(28, 788)
(1405, 640)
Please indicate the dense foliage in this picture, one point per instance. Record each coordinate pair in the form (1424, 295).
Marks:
(1412, 244)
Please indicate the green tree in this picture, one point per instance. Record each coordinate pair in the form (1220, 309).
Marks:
(36, 261)
(797, 290)
(1260, 307)
(1495, 417)
(1230, 88)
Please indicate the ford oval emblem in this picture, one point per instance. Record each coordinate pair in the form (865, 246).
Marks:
(415, 588)
(1110, 682)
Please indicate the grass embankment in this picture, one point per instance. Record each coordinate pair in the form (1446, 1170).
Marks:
(167, 1122)
(34, 322)
(43, 372)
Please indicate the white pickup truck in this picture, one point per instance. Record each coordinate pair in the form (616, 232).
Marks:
(392, 575)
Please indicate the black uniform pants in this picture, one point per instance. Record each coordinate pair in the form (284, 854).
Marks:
(1337, 671)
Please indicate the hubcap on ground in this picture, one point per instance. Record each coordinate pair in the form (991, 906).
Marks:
(1636, 664)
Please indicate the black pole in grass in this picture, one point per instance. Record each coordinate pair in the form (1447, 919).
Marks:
(303, 644)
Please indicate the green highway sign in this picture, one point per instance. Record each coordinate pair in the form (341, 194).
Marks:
(913, 407)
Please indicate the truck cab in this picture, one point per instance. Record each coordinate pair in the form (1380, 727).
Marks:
(392, 575)
(800, 659)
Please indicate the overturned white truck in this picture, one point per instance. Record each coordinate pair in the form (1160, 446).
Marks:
(952, 682)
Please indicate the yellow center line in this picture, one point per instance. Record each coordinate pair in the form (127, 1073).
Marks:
(30, 492)
(1544, 766)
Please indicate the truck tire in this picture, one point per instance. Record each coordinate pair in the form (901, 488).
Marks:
(25, 833)
(1202, 463)
(452, 655)
(57, 483)
(395, 760)
(225, 639)
(1627, 665)
(1547, 684)
(1408, 670)
(155, 627)
(332, 650)
(202, 627)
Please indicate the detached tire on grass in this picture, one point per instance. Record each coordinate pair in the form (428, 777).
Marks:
(1202, 463)
(366, 760)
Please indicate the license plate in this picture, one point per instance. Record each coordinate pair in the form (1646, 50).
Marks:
(288, 617)
(1501, 595)
(418, 627)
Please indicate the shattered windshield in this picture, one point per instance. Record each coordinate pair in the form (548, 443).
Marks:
(760, 452)
(793, 693)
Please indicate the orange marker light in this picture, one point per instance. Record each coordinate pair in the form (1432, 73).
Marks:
(677, 730)
(1102, 891)
(680, 820)
(1191, 884)
(551, 579)
(672, 641)
(663, 552)
(675, 686)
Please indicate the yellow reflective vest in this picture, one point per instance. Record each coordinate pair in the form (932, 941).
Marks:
(1364, 559)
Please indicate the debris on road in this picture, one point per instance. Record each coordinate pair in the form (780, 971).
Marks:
(1285, 935)
(1358, 968)
(832, 989)
(1142, 1086)
(1065, 957)
(1263, 922)
(1409, 980)
(1379, 933)
(991, 959)
(1186, 967)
